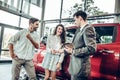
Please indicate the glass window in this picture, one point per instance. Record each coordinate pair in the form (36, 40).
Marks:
(9, 18)
(36, 2)
(104, 34)
(24, 23)
(26, 6)
(52, 11)
(5, 55)
(7, 34)
(68, 24)
(49, 28)
(35, 11)
(17, 4)
(67, 4)
(102, 5)
(13, 4)
(31, 9)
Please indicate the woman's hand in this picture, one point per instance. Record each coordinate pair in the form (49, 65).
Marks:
(53, 51)
(58, 66)
(60, 51)
(57, 51)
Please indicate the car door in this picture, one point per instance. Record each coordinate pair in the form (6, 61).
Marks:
(104, 64)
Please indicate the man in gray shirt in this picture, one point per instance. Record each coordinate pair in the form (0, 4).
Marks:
(21, 48)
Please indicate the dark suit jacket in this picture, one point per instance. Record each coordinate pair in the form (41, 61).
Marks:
(84, 45)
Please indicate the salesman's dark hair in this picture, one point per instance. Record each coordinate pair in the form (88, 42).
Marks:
(81, 13)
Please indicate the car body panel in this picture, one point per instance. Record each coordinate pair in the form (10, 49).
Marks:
(105, 63)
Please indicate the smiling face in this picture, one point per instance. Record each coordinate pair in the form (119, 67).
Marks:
(59, 30)
(34, 26)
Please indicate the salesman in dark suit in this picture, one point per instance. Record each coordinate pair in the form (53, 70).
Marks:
(84, 44)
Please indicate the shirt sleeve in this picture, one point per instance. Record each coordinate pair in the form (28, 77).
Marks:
(15, 38)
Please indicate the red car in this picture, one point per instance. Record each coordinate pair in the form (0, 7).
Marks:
(105, 63)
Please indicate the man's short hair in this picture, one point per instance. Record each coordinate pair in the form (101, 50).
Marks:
(81, 13)
(33, 20)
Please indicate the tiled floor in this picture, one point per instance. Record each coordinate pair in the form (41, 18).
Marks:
(5, 71)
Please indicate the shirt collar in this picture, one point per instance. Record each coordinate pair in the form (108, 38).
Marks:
(82, 27)
(29, 30)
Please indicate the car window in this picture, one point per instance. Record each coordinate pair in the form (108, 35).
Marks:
(70, 34)
(104, 34)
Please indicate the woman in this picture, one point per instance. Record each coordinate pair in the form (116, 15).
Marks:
(54, 56)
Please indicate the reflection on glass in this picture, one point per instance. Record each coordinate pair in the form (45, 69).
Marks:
(104, 34)
(106, 39)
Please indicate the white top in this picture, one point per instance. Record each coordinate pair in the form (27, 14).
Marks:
(53, 42)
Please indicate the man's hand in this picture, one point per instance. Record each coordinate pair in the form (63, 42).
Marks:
(35, 44)
(28, 36)
(68, 49)
(13, 55)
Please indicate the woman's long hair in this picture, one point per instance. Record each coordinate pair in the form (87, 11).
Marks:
(62, 36)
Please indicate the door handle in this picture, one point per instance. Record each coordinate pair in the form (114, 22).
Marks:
(106, 51)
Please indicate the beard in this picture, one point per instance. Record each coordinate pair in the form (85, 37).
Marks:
(34, 29)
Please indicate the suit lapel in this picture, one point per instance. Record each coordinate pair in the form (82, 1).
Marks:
(79, 33)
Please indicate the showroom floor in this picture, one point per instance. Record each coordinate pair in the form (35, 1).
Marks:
(5, 71)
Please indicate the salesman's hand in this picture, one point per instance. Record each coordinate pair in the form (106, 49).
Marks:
(60, 51)
(68, 49)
